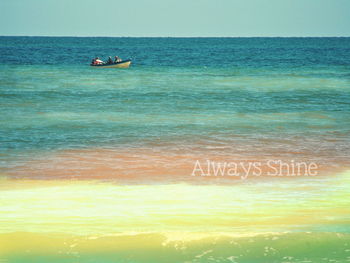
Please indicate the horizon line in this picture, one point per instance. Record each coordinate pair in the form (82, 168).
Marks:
(178, 36)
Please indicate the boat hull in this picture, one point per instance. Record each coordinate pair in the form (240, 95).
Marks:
(122, 64)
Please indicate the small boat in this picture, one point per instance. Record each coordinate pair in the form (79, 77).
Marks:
(121, 64)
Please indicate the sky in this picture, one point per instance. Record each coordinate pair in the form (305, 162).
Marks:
(175, 18)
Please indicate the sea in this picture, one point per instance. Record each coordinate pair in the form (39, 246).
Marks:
(203, 150)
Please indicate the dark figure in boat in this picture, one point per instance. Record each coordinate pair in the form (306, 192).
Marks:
(109, 61)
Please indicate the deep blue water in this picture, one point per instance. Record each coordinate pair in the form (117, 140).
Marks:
(179, 52)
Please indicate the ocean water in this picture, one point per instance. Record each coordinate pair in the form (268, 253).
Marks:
(98, 163)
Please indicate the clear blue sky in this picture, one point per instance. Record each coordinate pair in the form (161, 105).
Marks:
(175, 17)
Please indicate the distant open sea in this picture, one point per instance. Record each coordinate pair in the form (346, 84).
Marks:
(96, 164)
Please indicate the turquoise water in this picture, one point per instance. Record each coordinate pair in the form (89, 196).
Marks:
(269, 94)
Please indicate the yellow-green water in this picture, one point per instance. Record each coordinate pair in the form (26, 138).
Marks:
(274, 220)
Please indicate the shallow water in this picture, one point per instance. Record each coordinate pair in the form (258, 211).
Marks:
(103, 159)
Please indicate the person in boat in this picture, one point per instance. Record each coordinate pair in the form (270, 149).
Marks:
(98, 61)
(117, 59)
(109, 61)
